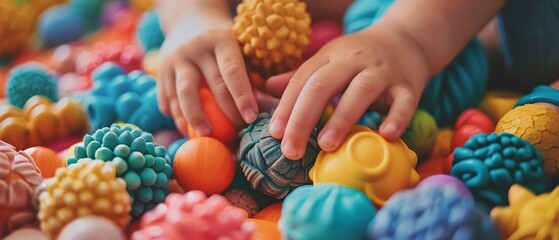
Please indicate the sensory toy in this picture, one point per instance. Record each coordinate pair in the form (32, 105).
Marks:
(60, 25)
(441, 180)
(463, 134)
(265, 230)
(130, 98)
(204, 164)
(18, 178)
(87, 188)
(46, 160)
(459, 86)
(17, 22)
(91, 228)
(325, 211)
(529, 216)
(496, 104)
(125, 55)
(222, 128)
(321, 33)
(142, 164)
(149, 33)
(430, 167)
(272, 34)
(368, 163)
(41, 122)
(421, 133)
(242, 199)
(264, 165)
(30, 80)
(174, 147)
(490, 163)
(89, 11)
(194, 216)
(477, 118)
(27, 233)
(432, 212)
(271, 213)
(441, 147)
(112, 11)
(370, 119)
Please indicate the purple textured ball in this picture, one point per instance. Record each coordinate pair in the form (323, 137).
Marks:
(441, 180)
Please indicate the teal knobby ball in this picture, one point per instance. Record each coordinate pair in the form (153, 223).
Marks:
(490, 164)
(421, 133)
(149, 33)
(326, 211)
(138, 160)
(30, 80)
(459, 86)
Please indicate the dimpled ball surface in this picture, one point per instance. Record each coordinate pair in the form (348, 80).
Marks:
(89, 187)
(272, 34)
(539, 125)
(27, 81)
(490, 164)
(265, 167)
(19, 176)
(142, 164)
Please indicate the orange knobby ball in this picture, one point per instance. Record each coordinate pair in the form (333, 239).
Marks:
(46, 160)
(222, 128)
(204, 164)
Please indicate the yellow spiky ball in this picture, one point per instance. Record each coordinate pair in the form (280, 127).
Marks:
(273, 33)
(539, 125)
(88, 188)
(528, 216)
(16, 25)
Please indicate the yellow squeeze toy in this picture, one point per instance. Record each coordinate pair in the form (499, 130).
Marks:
(369, 163)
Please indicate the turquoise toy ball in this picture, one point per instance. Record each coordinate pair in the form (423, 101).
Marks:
(149, 33)
(90, 11)
(326, 211)
(60, 25)
(144, 166)
(30, 80)
(174, 147)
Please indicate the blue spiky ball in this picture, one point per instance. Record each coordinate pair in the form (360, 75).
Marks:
(30, 80)
(138, 160)
(149, 32)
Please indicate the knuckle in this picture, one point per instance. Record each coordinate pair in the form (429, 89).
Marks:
(231, 67)
(316, 83)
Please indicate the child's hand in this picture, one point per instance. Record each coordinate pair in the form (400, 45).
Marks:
(380, 67)
(204, 46)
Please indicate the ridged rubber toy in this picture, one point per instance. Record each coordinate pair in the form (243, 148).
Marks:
(421, 133)
(444, 212)
(461, 85)
(490, 164)
(149, 32)
(243, 200)
(88, 188)
(326, 211)
(16, 25)
(30, 80)
(272, 34)
(46, 160)
(529, 216)
(19, 176)
(264, 165)
(194, 216)
(142, 164)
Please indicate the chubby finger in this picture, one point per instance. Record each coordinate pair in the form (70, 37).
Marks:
(166, 79)
(276, 85)
(188, 82)
(364, 89)
(233, 70)
(400, 114)
(315, 95)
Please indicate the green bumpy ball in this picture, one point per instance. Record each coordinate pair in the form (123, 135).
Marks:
(27, 81)
(421, 134)
(138, 160)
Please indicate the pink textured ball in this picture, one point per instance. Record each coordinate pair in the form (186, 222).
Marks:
(166, 136)
(194, 216)
(322, 33)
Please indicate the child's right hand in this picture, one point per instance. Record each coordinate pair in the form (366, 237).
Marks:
(202, 45)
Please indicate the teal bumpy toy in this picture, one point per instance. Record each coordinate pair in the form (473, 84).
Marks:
(490, 164)
(461, 85)
(138, 160)
(30, 80)
(149, 33)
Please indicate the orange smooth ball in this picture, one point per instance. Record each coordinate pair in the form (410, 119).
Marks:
(265, 230)
(222, 128)
(204, 164)
(46, 160)
(431, 167)
(271, 213)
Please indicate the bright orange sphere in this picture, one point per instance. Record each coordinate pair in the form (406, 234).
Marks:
(271, 213)
(46, 160)
(222, 128)
(204, 164)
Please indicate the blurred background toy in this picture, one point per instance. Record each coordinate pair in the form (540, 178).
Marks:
(87, 188)
(272, 34)
(142, 164)
(30, 80)
(46, 160)
(92, 228)
(270, 213)
(321, 33)
(19, 176)
(325, 211)
(264, 165)
(368, 163)
(496, 104)
(421, 133)
(17, 22)
(25, 233)
(194, 216)
(142, 5)
(490, 164)
(149, 33)
(60, 25)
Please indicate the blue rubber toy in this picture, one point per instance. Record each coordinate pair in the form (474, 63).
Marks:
(130, 98)
(432, 212)
(138, 160)
(326, 211)
(461, 85)
(370, 119)
(90, 12)
(30, 80)
(541, 93)
(174, 147)
(490, 164)
(149, 33)
(59, 25)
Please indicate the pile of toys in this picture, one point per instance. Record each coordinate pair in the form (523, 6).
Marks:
(85, 152)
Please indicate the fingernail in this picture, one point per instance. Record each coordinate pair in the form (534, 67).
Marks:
(276, 126)
(249, 115)
(204, 130)
(288, 150)
(327, 140)
(389, 130)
